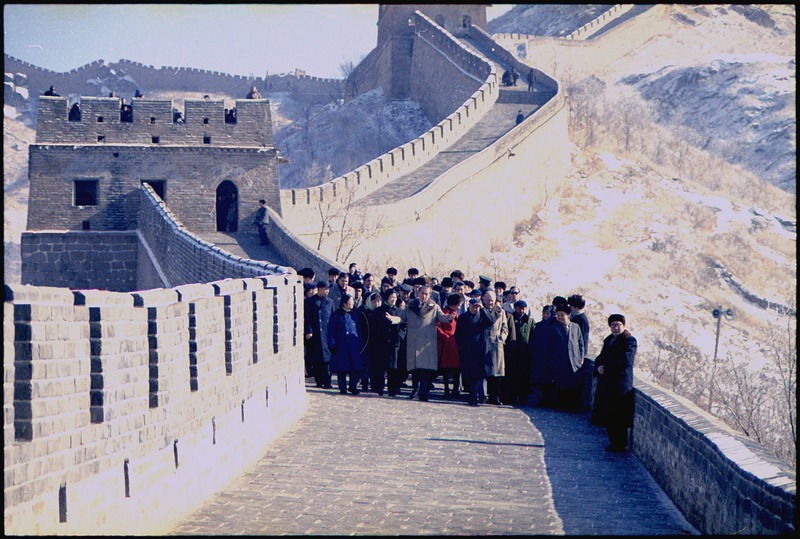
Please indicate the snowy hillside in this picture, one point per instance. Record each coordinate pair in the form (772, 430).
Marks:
(546, 19)
(344, 136)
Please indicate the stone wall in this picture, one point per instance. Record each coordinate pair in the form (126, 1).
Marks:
(152, 123)
(78, 81)
(190, 177)
(161, 253)
(123, 411)
(470, 188)
(301, 207)
(723, 482)
(295, 250)
(80, 259)
(180, 257)
(444, 72)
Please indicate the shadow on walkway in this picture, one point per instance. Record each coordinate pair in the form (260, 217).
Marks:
(588, 481)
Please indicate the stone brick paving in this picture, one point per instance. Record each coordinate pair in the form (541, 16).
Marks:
(368, 465)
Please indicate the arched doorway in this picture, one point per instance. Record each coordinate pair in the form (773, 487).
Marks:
(227, 207)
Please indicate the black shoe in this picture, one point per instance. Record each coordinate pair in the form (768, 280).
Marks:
(343, 392)
(380, 393)
(423, 399)
(473, 403)
(355, 391)
(482, 400)
(327, 386)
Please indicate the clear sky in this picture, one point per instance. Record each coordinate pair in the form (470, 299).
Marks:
(240, 39)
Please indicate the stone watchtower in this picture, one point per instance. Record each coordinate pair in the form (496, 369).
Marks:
(396, 36)
(209, 166)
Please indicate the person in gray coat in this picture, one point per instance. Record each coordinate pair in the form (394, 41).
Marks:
(567, 355)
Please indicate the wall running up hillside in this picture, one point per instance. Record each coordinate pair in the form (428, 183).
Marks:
(301, 207)
(85, 80)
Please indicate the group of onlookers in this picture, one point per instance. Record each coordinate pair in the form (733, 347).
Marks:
(482, 340)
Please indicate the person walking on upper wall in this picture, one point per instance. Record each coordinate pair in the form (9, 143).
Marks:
(531, 79)
(613, 401)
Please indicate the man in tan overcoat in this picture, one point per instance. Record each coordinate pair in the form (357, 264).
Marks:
(495, 337)
(421, 353)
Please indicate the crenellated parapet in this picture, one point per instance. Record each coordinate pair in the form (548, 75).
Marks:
(123, 410)
(203, 122)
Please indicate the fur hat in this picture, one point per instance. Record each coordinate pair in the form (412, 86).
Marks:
(616, 318)
(563, 307)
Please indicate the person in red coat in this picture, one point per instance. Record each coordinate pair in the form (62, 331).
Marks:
(449, 362)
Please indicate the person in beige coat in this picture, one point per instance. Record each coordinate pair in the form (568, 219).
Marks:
(422, 357)
(495, 337)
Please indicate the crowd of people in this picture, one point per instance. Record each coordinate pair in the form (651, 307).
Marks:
(481, 341)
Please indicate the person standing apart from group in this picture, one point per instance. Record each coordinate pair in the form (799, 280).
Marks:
(613, 401)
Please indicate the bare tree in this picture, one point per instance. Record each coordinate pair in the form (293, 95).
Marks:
(327, 207)
(348, 69)
(781, 342)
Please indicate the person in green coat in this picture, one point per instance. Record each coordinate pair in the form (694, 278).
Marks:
(516, 384)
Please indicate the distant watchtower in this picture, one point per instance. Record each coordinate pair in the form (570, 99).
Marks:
(396, 35)
(211, 168)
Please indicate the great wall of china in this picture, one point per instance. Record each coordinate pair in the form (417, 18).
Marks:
(170, 368)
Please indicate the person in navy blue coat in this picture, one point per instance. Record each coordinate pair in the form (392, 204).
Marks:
(345, 346)
(317, 314)
(613, 401)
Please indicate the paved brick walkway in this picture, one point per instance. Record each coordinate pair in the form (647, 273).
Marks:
(376, 465)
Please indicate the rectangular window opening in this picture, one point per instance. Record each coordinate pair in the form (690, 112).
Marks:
(206, 140)
(155, 139)
(85, 193)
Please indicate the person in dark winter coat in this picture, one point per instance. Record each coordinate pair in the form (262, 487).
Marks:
(317, 313)
(385, 327)
(345, 346)
(362, 312)
(541, 367)
(567, 356)
(471, 348)
(613, 401)
(518, 358)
